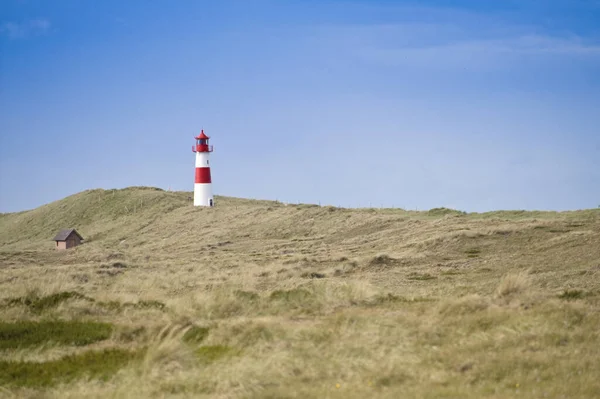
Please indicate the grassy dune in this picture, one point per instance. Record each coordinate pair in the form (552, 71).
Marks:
(259, 299)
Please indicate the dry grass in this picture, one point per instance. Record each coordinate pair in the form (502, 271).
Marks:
(262, 299)
(512, 284)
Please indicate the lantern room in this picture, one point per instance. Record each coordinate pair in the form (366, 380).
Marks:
(202, 143)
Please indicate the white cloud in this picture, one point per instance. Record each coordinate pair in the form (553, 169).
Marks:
(14, 30)
(478, 53)
(449, 45)
(443, 37)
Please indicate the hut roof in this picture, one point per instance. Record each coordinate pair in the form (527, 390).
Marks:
(64, 234)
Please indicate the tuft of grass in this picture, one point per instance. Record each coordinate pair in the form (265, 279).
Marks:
(382, 260)
(130, 334)
(512, 283)
(196, 334)
(92, 364)
(473, 252)
(23, 334)
(313, 275)
(570, 295)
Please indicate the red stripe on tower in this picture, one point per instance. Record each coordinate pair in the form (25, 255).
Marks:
(203, 175)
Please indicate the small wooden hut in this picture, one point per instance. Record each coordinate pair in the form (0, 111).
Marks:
(68, 238)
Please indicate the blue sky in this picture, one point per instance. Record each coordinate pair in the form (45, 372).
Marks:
(475, 105)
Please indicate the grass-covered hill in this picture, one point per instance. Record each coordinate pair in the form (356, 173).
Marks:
(264, 299)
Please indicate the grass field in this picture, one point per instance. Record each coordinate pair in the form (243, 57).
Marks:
(259, 299)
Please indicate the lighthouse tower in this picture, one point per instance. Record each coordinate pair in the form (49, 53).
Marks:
(203, 186)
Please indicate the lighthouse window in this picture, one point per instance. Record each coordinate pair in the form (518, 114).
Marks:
(207, 161)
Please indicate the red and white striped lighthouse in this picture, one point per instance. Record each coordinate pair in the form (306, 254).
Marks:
(203, 185)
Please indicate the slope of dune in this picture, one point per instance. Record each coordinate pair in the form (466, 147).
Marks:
(299, 300)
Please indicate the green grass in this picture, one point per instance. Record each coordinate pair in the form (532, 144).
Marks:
(37, 304)
(91, 364)
(22, 334)
(210, 354)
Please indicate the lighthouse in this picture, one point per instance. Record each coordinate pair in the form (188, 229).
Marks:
(203, 185)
